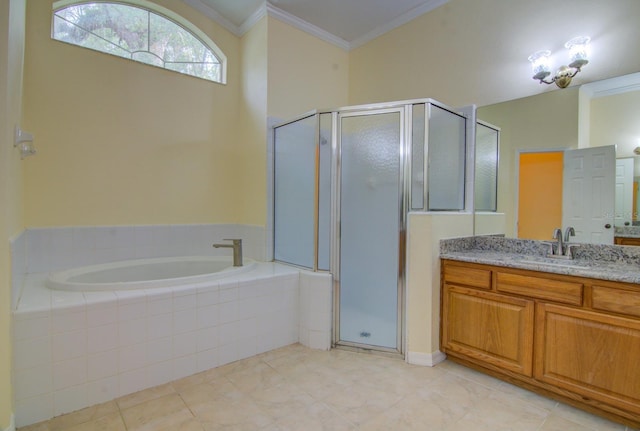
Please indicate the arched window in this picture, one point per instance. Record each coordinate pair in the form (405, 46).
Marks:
(140, 31)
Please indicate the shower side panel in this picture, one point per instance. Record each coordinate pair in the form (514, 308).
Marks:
(295, 196)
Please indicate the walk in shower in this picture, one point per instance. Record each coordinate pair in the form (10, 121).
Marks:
(344, 181)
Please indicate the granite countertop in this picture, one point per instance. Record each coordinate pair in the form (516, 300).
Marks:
(627, 232)
(605, 262)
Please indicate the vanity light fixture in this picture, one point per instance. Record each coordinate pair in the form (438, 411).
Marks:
(578, 57)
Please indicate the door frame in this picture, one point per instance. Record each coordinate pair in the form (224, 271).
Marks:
(403, 183)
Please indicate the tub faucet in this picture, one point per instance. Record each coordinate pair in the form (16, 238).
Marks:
(237, 250)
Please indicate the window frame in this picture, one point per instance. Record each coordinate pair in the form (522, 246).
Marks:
(162, 12)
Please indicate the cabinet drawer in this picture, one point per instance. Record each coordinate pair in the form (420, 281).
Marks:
(467, 276)
(565, 292)
(616, 300)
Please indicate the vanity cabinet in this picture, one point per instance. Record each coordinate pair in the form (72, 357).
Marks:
(623, 240)
(491, 328)
(589, 353)
(573, 338)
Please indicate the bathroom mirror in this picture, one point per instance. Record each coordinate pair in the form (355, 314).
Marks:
(602, 113)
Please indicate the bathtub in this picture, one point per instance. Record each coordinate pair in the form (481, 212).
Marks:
(146, 273)
(73, 349)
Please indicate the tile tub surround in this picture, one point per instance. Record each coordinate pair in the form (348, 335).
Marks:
(75, 349)
(606, 262)
(52, 249)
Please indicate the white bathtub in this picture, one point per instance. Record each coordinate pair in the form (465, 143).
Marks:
(146, 273)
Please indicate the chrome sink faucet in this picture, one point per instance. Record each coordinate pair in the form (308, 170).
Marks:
(237, 250)
(562, 247)
(559, 250)
(568, 233)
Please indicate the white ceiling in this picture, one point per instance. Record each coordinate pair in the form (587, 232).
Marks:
(488, 41)
(347, 23)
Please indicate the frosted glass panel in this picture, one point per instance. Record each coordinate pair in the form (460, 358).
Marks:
(446, 149)
(294, 192)
(370, 223)
(324, 203)
(417, 158)
(486, 168)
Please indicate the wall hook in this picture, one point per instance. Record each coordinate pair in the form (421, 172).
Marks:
(24, 141)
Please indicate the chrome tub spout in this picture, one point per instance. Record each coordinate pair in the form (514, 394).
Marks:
(237, 250)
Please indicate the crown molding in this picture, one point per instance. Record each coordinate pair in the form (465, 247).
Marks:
(612, 86)
(210, 12)
(306, 27)
(266, 8)
(253, 19)
(399, 21)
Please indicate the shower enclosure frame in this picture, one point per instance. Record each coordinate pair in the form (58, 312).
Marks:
(405, 110)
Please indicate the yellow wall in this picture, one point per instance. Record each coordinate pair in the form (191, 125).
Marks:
(423, 279)
(120, 142)
(11, 57)
(614, 121)
(546, 121)
(432, 56)
(252, 128)
(305, 72)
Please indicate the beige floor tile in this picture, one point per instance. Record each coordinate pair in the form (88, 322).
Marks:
(470, 374)
(140, 397)
(295, 388)
(259, 376)
(498, 415)
(110, 422)
(586, 419)
(193, 380)
(282, 351)
(360, 403)
(316, 417)
(525, 395)
(157, 414)
(557, 423)
(281, 400)
(229, 414)
(208, 392)
(239, 366)
(319, 384)
(416, 413)
(40, 426)
(88, 414)
(456, 389)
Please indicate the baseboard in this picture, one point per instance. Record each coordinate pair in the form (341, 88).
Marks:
(12, 424)
(426, 359)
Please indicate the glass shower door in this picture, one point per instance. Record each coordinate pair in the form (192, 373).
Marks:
(370, 227)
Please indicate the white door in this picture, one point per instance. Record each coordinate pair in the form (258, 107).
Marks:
(588, 193)
(624, 192)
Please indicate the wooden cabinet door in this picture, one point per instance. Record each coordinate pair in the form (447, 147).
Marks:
(591, 354)
(488, 328)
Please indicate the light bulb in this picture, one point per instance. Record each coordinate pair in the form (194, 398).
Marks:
(540, 64)
(578, 51)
